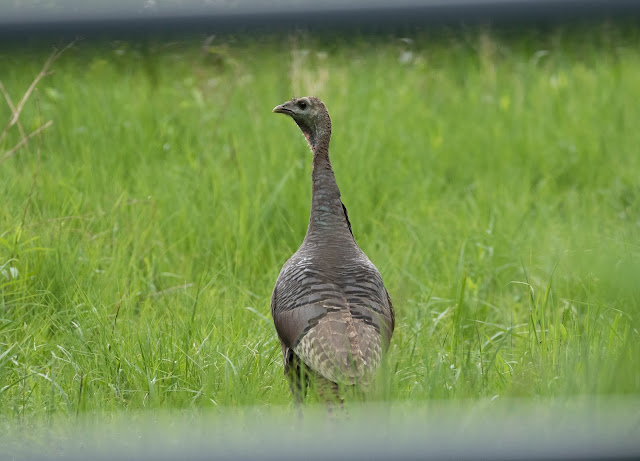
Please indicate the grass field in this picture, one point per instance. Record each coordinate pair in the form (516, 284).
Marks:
(493, 179)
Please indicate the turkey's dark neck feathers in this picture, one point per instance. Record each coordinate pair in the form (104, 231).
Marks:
(328, 214)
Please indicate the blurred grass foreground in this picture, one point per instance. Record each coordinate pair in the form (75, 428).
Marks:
(494, 179)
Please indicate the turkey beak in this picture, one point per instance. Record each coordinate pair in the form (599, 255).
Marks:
(282, 109)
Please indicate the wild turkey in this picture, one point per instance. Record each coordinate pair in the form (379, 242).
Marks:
(331, 310)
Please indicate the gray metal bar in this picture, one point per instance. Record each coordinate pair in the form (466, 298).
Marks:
(582, 429)
(92, 17)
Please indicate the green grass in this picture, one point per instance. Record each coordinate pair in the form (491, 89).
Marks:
(493, 180)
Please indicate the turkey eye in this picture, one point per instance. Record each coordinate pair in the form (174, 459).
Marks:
(302, 105)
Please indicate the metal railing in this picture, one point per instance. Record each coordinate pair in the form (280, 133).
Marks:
(579, 429)
(90, 17)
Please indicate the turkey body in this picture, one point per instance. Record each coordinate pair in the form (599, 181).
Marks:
(331, 310)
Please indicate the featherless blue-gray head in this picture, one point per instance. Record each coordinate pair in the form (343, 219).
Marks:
(312, 117)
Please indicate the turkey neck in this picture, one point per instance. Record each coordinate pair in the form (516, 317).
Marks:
(327, 216)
